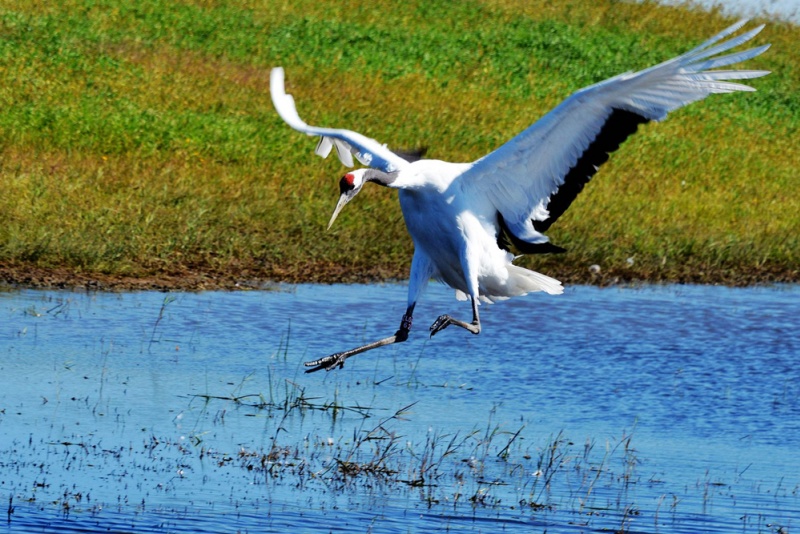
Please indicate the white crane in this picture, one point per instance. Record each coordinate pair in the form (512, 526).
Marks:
(462, 215)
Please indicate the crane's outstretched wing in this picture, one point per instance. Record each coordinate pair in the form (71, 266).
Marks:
(347, 143)
(533, 178)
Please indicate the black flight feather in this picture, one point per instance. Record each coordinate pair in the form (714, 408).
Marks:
(505, 239)
(617, 128)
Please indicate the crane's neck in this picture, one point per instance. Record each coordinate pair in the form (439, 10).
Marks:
(379, 177)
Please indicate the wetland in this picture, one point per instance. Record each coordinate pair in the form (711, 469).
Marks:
(638, 409)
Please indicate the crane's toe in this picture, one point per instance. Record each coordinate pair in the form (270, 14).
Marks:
(441, 322)
(328, 363)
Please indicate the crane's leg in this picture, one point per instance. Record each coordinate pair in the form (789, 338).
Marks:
(443, 321)
(337, 360)
(473, 289)
(421, 271)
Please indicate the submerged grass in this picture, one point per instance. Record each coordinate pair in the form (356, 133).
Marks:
(139, 140)
(486, 469)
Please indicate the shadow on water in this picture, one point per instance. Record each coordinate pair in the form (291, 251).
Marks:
(657, 409)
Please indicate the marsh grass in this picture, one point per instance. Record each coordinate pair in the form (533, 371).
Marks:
(139, 139)
(169, 299)
(478, 470)
(490, 467)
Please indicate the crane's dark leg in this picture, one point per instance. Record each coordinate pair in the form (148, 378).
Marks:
(337, 360)
(473, 290)
(421, 271)
(443, 321)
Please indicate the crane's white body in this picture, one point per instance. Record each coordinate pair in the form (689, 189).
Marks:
(458, 246)
(455, 211)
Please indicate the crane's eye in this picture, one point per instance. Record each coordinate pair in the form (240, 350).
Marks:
(347, 183)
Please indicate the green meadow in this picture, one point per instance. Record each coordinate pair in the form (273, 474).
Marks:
(138, 140)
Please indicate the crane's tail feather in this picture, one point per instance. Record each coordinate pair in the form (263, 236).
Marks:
(527, 281)
(520, 281)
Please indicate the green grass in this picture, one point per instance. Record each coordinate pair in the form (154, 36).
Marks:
(138, 138)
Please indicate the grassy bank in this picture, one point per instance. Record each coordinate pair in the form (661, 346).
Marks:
(138, 140)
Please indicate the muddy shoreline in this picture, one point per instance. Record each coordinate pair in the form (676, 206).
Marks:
(203, 279)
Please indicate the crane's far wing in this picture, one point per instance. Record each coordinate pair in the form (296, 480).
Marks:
(533, 178)
(347, 143)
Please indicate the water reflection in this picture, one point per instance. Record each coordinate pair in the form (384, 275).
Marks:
(655, 409)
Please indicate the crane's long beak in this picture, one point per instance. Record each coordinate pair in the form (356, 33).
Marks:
(344, 199)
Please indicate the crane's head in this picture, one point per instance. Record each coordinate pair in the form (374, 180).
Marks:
(349, 186)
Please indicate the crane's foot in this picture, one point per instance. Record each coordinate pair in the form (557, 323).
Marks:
(443, 321)
(329, 363)
(337, 359)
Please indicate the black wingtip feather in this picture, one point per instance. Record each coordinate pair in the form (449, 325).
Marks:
(619, 125)
(413, 154)
(505, 239)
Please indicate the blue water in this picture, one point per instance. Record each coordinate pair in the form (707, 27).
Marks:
(653, 409)
(782, 10)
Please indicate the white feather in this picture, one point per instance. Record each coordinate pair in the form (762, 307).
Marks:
(366, 150)
(538, 159)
